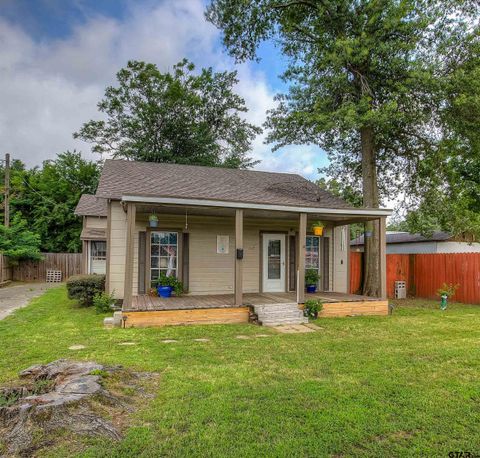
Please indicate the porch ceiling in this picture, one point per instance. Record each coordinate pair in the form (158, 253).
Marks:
(248, 213)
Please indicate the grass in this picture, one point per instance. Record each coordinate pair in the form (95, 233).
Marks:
(402, 385)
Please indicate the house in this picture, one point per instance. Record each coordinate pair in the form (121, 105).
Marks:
(238, 240)
(406, 243)
(94, 233)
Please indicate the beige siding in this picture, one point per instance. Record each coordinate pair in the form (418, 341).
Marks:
(117, 249)
(96, 222)
(209, 272)
(340, 259)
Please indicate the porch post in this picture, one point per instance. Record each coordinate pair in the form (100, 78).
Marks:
(302, 240)
(128, 284)
(382, 252)
(238, 262)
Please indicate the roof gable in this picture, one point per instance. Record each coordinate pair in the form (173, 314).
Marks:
(90, 205)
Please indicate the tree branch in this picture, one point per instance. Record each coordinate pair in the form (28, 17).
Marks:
(294, 3)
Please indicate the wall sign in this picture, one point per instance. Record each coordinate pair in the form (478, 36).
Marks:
(223, 242)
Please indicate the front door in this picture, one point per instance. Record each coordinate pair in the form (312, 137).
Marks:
(273, 263)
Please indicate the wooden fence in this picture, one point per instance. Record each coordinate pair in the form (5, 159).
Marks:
(69, 263)
(425, 273)
(5, 270)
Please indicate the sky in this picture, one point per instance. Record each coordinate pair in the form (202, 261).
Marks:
(57, 57)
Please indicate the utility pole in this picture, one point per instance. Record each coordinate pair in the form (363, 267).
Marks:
(7, 190)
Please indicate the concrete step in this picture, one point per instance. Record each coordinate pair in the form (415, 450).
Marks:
(280, 314)
(287, 305)
(285, 310)
(279, 322)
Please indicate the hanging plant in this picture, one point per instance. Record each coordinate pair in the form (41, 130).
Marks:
(318, 227)
(153, 220)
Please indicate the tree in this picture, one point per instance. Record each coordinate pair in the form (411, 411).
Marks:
(449, 192)
(361, 76)
(46, 198)
(349, 194)
(18, 243)
(176, 117)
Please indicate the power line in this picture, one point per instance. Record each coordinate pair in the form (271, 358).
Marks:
(36, 192)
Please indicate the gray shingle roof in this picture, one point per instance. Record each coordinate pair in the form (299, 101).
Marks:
(406, 237)
(120, 178)
(89, 205)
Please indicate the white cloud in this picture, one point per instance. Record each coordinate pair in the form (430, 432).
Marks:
(48, 89)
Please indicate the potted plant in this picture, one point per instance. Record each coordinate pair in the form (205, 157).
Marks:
(311, 280)
(446, 291)
(318, 227)
(311, 308)
(166, 284)
(153, 220)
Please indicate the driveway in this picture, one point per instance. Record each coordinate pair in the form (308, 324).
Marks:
(19, 295)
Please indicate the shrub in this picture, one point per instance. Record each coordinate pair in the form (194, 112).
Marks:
(172, 281)
(17, 243)
(312, 308)
(311, 277)
(103, 302)
(85, 287)
(448, 290)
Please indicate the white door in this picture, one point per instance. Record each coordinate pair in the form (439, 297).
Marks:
(98, 257)
(273, 263)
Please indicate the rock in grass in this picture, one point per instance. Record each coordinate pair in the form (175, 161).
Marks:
(62, 397)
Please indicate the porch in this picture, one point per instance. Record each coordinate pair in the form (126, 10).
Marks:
(232, 259)
(146, 303)
(221, 308)
(231, 253)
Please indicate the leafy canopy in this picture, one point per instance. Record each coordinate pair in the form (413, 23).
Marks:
(449, 185)
(353, 65)
(178, 117)
(18, 243)
(46, 198)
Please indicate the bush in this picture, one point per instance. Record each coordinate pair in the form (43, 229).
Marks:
(85, 287)
(172, 281)
(311, 277)
(103, 302)
(312, 308)
(448, 289)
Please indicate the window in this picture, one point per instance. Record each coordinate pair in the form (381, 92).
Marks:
(97, 264)
(343, 237)
(163, 254)
(274, 259)
(312, 253)
(98, 250)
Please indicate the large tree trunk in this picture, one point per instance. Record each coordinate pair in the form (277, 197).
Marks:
(371, 278)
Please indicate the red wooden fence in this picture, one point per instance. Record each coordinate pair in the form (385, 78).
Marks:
(356, 272)
(425, 273)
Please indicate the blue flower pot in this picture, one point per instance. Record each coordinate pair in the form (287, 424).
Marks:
(164, 291)
(311, 288)
(153, 223)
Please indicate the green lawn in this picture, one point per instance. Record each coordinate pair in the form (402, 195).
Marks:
(402, 385)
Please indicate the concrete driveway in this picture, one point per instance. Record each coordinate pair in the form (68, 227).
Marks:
(19, 295)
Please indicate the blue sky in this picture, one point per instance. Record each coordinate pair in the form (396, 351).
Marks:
(57, 56)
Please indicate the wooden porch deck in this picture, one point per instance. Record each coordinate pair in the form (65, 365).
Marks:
(146, 303)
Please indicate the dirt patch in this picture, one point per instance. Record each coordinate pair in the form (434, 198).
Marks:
(68, 400)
